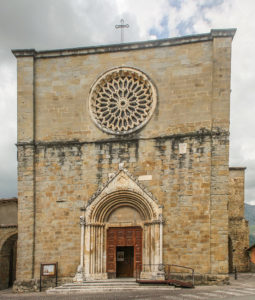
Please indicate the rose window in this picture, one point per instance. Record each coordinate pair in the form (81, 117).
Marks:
(122, 100)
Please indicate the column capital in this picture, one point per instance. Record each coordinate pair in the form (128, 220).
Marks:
(82, 221)
(161, 219)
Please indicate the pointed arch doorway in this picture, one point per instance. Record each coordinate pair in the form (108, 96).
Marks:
(122, 229)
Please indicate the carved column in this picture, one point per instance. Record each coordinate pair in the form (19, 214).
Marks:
(160, 239)
(79, 274)
(82, 224)
(87, 251)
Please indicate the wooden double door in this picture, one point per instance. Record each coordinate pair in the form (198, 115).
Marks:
(124, 251)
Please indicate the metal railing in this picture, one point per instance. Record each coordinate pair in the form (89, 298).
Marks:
(171, 272)
(148, 268)
(176, 271)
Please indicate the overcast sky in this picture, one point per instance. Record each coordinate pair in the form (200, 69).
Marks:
(50, 24)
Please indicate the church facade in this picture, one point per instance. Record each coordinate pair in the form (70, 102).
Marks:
(123, 158)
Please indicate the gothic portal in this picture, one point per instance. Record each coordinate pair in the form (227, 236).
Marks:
(121, 218)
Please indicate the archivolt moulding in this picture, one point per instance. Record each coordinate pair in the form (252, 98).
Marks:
(119, 191)
(11, 232)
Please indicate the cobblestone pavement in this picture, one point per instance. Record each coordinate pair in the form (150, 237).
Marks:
(243, 288)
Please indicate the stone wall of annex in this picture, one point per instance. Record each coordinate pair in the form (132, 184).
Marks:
(238, 226)
(8, 239)
(63, 158)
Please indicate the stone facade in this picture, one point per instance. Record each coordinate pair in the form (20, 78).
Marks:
(8, 241)
(173, 169)
(238, 226)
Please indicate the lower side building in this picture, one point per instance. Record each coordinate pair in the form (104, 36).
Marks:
(8, 241)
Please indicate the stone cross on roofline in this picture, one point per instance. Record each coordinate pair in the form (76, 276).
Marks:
(122, 26)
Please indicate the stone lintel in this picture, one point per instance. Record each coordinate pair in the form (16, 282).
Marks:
(237, 168)
(215, 33)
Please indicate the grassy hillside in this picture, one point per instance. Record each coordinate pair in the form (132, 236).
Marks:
(250, 216)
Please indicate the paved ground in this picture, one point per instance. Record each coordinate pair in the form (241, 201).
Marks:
(243, 288)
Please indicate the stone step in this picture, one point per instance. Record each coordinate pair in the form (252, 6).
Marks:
(98, 285)
(102, 285)
(102, 282)
(110, 280)
(102, 289)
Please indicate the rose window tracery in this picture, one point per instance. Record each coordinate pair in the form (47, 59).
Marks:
(122, 100)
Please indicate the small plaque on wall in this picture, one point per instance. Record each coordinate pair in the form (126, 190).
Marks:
(145, 177)
(183, 148)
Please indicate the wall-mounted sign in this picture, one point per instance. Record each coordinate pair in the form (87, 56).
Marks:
(48, 269)
(120, 255)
